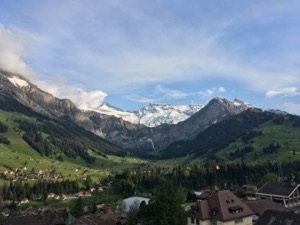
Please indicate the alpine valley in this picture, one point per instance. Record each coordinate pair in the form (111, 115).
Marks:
(220, 130)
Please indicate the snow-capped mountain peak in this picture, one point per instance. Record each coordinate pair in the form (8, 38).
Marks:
(151, 115)
(157, 114)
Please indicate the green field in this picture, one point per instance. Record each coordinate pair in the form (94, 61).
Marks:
(285, 134)
(18, 154)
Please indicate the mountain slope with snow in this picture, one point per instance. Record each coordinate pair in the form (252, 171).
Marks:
(152, 115)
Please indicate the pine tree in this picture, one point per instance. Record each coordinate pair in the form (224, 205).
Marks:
(78, 208)
(165, 208)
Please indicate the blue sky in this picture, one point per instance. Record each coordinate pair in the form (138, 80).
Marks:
(131, 53)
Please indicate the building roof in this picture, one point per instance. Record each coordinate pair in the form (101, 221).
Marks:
(109, 216)
(91, 220)
(107, 222)
(205, 194)
(271, 217)
(261, 205)
(201, 210)
(249, 189)
(221, 205)
(278, 189)
(43, 219)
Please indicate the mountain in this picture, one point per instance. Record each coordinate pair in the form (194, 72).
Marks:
(116, 130)
(277, 111)
(49, 124)
(218, 135)
(253, 135)
(152, 115)
(138, 136)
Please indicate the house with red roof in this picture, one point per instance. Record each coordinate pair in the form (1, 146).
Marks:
(220, 208)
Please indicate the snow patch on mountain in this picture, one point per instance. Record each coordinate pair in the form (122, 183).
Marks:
(157, 114)
(152, 115)
(18, 82)
(277, 111)
(107, 109)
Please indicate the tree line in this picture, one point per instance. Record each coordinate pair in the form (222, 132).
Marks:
(199, 176)
(16, 191)
(3, 129)
(56, 140)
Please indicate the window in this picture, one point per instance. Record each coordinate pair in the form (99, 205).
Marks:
(192, 220)
(239, 220)
(197, 222)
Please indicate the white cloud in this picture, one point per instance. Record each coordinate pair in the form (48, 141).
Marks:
(212, 91)
(287, 91)
(163, 94)
(13, 51)
(290, 107)
(139, 99)
(12, 59)
(170, 93)
(123, 46)
(80, 97)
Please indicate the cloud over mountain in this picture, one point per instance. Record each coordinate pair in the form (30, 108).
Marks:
(288, 91)
(13, 51)
(80, 97)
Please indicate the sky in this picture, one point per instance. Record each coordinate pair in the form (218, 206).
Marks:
(130, 53)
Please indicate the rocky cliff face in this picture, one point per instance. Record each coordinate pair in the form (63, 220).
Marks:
(113, 129)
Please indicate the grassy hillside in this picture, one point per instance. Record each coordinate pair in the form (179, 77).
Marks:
(285, 134)
(253, 136)
(18, 154)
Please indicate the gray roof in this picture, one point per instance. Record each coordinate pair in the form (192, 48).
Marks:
(261, 205)
(279, 189)
(271, 217)
(45, 219)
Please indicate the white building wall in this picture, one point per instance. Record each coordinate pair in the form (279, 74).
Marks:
(246, 221)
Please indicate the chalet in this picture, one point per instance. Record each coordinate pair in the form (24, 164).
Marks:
(249, 192)
(84, 194)
(51, 195)
(87, 193)
(24, 201)
(38, 171)
(64, 197)
(219, 208)
(271, 217)
(287, 194)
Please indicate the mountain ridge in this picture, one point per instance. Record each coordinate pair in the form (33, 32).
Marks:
(151, 116)
(124, 134)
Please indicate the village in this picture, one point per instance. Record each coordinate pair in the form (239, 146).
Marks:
(273, 202)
